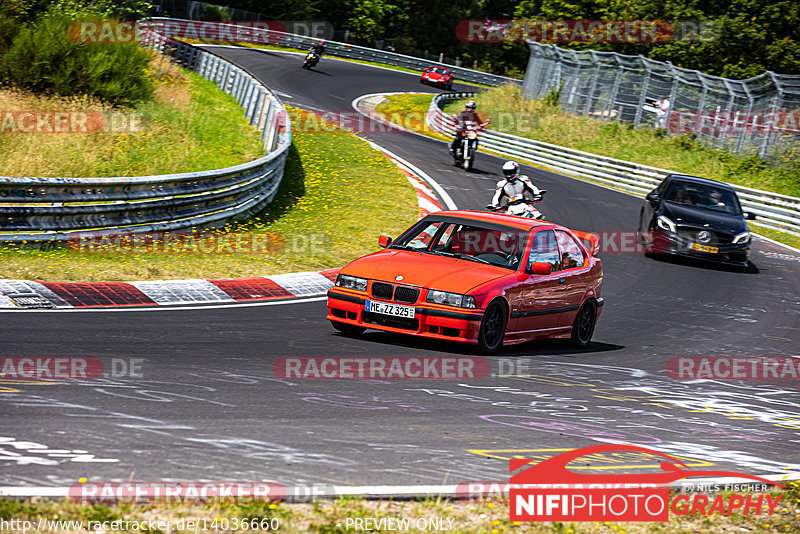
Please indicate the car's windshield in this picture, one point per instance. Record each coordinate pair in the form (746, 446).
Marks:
(703, 196)
(495, 245)
(438, 70)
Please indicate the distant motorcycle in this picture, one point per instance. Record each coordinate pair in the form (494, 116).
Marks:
(519, 206)
(311, 60)
(464, 154)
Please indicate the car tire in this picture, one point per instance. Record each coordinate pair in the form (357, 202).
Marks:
(583, 326)
(348, 330)
(493, 328)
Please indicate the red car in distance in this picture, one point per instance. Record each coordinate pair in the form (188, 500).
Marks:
(438, 76)
(480, 278)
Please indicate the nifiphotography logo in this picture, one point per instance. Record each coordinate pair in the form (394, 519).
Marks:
(548, 491)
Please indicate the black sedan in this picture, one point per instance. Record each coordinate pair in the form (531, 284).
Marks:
(695, 217)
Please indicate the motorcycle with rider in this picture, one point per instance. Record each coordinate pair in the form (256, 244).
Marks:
(518, 192)
(465, 143)
(314, 55)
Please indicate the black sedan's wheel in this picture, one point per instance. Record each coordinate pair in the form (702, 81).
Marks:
(348, 329)
(583, 327)
(493, 328)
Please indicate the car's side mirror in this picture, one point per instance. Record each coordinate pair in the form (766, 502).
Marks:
(539, 267)
(384, 241)
(652, 196)
(750, 216)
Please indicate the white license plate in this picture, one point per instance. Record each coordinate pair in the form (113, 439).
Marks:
(395, 310)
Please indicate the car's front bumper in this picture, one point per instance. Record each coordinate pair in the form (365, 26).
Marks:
(441, 83)
(438, 322)
(679, 245)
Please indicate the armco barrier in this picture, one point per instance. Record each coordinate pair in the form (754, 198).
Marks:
(776, 211)
(349, 51)
(49, 209)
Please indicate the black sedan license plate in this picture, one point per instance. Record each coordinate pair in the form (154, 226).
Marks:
(703, 248)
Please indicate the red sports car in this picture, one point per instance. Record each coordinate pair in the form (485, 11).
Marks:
(437, 76)
(475, 277)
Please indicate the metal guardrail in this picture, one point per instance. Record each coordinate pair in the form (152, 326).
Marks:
(56, 209)
(349, 51)
(776, 211)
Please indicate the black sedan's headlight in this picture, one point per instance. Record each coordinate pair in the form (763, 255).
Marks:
(665, 223)
(740, 239)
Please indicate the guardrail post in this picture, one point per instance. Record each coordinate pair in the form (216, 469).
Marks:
(248, 94)
(264, 118)
(235, 82)
(253, 114)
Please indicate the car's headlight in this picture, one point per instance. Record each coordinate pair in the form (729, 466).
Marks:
(451, 299)
(744, 237)
(351, 282)
(665, 224)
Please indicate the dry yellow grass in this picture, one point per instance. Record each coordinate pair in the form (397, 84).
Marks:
(182, 129)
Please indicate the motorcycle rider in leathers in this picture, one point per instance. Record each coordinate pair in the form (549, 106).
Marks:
(513, 184)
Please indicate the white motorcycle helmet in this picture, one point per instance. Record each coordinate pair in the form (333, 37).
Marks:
(511, 170)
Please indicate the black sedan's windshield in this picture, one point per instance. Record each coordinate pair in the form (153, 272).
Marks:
(703, 196)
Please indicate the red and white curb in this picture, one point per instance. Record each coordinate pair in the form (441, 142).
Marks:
(15, 294)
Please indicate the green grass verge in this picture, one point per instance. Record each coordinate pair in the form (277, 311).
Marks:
(190, 125)
(331, 517)
(336, 196)
(409, 111)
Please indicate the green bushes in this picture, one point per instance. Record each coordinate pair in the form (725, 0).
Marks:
(41, 57)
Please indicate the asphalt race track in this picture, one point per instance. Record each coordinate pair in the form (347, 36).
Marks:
(206, 405)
